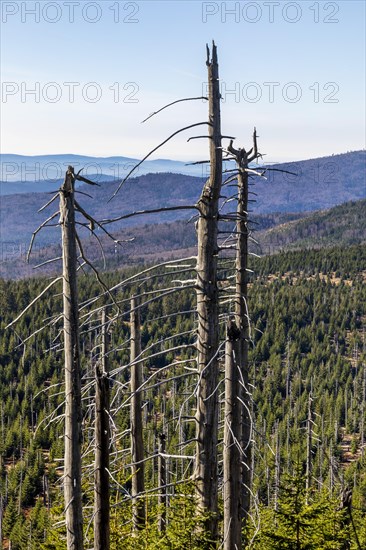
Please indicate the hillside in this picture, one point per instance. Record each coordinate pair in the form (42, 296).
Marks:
(342, 225)
(142, 244)
(319, 183)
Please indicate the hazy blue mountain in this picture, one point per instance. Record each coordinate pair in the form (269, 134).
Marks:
(319, 184)
(331, 180)
(24, 174)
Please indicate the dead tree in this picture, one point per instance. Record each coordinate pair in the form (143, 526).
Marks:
(102, 442)
(73, 414)
(162, 484)
(137, 444)
(309, 439)
(277, 467)
(232, 434)
(242, 159)
(207, 309)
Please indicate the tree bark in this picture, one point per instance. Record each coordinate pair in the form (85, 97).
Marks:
(137, 444)
(102, 440)
(205, 474)
(73, 414)
(232, 436)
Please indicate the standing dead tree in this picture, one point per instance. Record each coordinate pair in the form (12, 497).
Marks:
(162, 483)
(72, 257)
(208, 310)
(309, 442)
(73, 414)
(102, 442)
(232, 451)
(237, 386)
(137, 444)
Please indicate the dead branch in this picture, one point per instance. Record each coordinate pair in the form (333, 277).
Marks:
(48, 203)
(34, 301)
(48, 262)
(153, 151)
(100, 281)
(173, 103)
(153, 211)
(38, 230)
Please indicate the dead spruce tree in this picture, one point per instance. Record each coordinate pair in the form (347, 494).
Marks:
(205, 474)
(73, 410)
(243, 159)
(207, 296)
(238, 464)
(102, 442)
(231, 449)
(72, 258)
(137, 443)
(73, 414)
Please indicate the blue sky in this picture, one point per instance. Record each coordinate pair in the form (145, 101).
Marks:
(295, 70)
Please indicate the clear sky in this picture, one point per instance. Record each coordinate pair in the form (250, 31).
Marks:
(295, 70)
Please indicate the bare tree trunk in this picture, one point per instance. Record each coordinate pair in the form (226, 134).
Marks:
(277, 467)
(309, 437)
(161, 484)
(137, 444)
(207, 308)
(241, 312)
(73, 415)
(242, 320)
(232, 435)
(102, 439)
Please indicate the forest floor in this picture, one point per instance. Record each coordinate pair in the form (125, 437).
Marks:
(347, 456)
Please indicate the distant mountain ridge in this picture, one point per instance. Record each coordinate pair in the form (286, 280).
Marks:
(344, 174)
(320, 184)
(20, 173)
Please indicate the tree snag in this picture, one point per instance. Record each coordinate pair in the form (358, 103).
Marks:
(205, 474)
(102, 441)
(137, 444)
(162, 484)
(243, 159)
(73, 415)
(232, 437)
